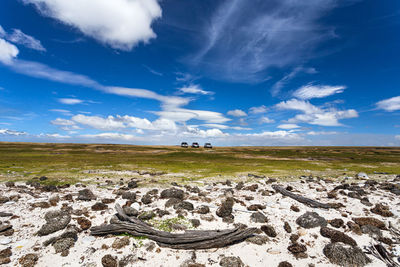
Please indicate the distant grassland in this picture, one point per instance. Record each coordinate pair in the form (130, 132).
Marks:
(21, 161)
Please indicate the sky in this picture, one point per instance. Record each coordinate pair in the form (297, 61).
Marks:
(229, 72)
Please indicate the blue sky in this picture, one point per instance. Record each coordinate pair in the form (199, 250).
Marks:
(237, 72)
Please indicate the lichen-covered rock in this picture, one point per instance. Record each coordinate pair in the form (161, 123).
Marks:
(231, 262)
(173, 193)
(130, 211)
(382, 210)
(287, 227)
(337, 236)
(269, 230)
(121, 242)
(55, 221)
(63, 244)
(84, 223)
(345, 255)
(186, 205)
(258, 217)
(310, 220)
(337, 223)
(86, 195)
(28, 260)
(285, 264)
(203, 209)
(109, 261)
(370, 221)
(129, 196)
(226, 207)
(99, 206)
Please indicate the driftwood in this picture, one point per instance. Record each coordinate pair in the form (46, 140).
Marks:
(379, 252)
(198, 239)
(307, 201)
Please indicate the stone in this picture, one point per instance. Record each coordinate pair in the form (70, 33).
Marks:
(84, 223)
(195, 222)
(127, 260)
(311, 220)
(173, 193)
(147, 215)
(28, 260)
(269, 230)
(186, 205)
(108, 200)
(132, 184)
(63, 244)
(130, 211)
(41, 204)
(252, 188)
(129, 196)
(55, 221)
(370, 221)
(337, 236)
(297, 248)
(258, 217)
(203, 209)
(172, 201)
(345, 255)
(294, 208)
(121, 242)
(231, 262)
(99, 206)
(294, 237)
(10, 184)
(86, 195)
(147, 199)
(287, 227)
(372, 231)
(355, 228)
(255, 207)
(54, 200)
(109, 261)
(5, 253)
(226, 207)
(362, 176)
(285, 264)
(258, 239)
(337, 223)
(382, 210)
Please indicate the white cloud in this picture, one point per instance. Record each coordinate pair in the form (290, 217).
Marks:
(55, 135)
(183, 115)
(70, 101)
(321, 133)
(62, 122)
(237, 113)
(276, 88)
(224, 127)
(8, 52)
(310, 91)
(2, 32)
(11, 132)
(63, 111)
(107, 124)
(288, 126)
(196, 132)
(120, 24)
(315, 115)
(258, 110)
(390, 104)
(397, 137)
(194, 89)
(18, 37)
(265, 119)
(111, 136)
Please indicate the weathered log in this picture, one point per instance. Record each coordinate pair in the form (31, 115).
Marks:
(307, 201)
(189, 240)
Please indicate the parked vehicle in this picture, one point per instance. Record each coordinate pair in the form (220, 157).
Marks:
(195, 145)
(207, 145)
(184, 144)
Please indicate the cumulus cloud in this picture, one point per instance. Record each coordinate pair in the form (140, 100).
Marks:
(265, 119)
(120, 24)
(70, 101)
(183, 115)
(11, 132)
(8, 52)
(237, 113)
(315, 115)
(194, 89)
(224, 127)
(18, 37)
(191, 131)
(310, 91)
(258, 110)
(390, 104)
(288, 126)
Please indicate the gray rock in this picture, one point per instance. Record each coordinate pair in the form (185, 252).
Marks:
(63, 244)
(258, 217)
(226, 207)
(28, 260)
(172, 193)
(55, 221)
(186, 205)
(172, 202)
(310, 220)
(127, 260)
(372, 231)
(345, 255)
(203, 209)
(130, 211)
(86, 195)
(129, 195)
(231, 262)
(258, 239)
(109, 261)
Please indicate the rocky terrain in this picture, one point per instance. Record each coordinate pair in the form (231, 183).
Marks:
(47, 225)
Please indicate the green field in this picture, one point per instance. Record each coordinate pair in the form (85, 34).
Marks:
(72, 162)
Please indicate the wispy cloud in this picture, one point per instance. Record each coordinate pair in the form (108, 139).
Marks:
(194, 89)
(265, 119)
(121, 25)
(240, 47)
(277, 87)
(310, 91)
(153, 71)
(70, 101)
(288, 126)
(390, 104)
(258, 110)
(18, 37)
(11, 132)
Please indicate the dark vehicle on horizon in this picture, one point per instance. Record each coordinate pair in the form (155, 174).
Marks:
(195, 145)
(208, 145)
(184, 144)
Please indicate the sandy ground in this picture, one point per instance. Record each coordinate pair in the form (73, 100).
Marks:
(89, 250)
